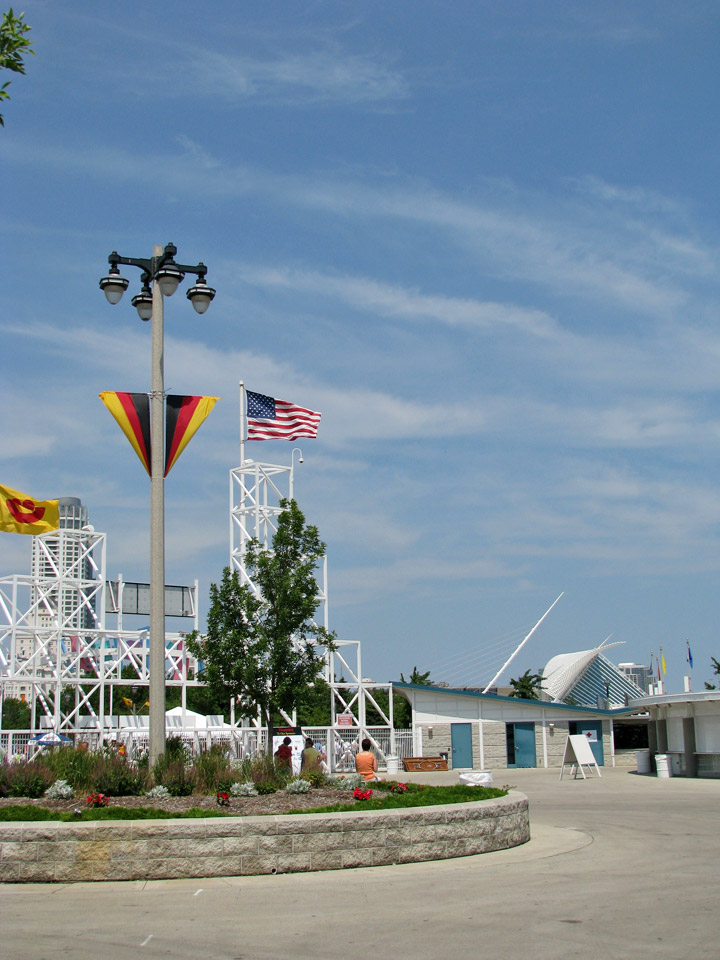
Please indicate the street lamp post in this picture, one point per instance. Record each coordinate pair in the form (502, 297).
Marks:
(292, 469)
(165, 276)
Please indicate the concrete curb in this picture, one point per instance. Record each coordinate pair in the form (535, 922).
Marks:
(52, 851)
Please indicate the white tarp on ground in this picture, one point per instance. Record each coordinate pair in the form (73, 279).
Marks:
(477, 778)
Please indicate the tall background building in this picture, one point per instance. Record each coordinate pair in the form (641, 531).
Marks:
(61, 568)
(638, 674)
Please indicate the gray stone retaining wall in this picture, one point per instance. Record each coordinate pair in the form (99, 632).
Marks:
(53, 851)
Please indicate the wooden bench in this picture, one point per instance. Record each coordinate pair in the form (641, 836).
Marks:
(423, 764)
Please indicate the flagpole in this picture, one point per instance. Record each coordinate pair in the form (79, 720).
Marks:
(652, 670)
(241, 386)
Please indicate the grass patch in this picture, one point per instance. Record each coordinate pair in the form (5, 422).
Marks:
(417, 795)
(27, 811)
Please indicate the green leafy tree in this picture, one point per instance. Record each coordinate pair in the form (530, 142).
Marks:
(263, 648)
(15, 714)
(527, 687)
(14, 45)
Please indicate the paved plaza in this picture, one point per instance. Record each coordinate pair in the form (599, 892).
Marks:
(620, 867)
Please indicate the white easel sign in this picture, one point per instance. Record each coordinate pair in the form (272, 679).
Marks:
(578, 754)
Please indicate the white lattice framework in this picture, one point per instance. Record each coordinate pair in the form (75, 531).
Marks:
(256, 490)
(44, 650)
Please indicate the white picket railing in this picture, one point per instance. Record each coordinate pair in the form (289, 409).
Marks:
(339, 745)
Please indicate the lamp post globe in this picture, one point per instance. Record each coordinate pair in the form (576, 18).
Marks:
(200, 295)
(143, 303)
(114, 286)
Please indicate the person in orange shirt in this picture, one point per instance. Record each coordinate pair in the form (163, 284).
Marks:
(366, 762)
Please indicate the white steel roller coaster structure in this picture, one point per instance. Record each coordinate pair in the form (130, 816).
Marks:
(54, 636)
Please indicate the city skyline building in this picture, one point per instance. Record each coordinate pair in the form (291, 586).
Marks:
(638, 673)
(61, 562)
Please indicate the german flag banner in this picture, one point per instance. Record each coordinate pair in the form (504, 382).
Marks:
(132, 412)
(20, 513)
(183, 416)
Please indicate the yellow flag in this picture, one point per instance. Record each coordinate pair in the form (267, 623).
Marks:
(662, 658)
(20, 513)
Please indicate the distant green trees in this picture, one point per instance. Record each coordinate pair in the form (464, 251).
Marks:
(528, 686)
(716, 670)
(15, 714)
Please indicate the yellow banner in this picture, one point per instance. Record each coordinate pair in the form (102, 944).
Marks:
(20, 513)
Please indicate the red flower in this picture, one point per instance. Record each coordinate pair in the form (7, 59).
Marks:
(97, 800)
(359, 794)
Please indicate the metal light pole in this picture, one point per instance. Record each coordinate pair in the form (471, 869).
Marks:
(165, 276)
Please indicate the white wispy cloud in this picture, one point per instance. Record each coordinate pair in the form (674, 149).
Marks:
(570, 249)
(320, 76)
(393, 301)
(359, 584)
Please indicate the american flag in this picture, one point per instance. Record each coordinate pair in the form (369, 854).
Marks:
(271, 419)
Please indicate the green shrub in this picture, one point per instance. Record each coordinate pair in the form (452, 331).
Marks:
(175, 749)
(265, 787)
(213, 770)
(75, 766)
(4, 779)
(315, 778)
(267, 776)
(114, 776)
(27, 779)
(174, 774)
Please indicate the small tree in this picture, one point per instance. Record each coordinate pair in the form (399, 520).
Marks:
(13, 45)
(263, 648)
(716, 671)
(423, 679)
(527, 686)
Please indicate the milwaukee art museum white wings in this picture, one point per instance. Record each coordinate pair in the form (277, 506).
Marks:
(585, 676)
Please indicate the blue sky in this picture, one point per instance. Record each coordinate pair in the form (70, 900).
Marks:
(481, 238)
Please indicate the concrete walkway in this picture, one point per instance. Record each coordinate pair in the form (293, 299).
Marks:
(621, 867)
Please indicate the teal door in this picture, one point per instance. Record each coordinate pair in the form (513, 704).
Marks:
(521, 745)
(461, 742)
(592, 730)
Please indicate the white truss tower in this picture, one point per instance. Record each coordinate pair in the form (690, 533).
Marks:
(256, 490)
(54, 638)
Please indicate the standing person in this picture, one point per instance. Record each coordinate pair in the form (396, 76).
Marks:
(283, 754)
(366, 762)
(309, 758)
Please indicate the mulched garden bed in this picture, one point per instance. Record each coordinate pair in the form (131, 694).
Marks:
(273, 803)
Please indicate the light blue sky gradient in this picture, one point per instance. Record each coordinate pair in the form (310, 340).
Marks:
(481, 238)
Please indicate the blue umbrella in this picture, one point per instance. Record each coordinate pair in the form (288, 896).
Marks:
(50, 739)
